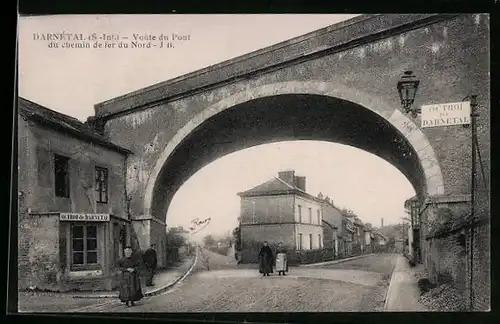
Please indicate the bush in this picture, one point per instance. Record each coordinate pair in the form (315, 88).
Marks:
(425, 285)
(316, 256)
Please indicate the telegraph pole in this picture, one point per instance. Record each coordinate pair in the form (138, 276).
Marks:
(473, 105)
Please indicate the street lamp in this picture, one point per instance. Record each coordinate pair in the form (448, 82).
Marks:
(407, 89)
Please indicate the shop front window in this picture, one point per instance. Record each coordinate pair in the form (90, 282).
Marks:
(83, 246)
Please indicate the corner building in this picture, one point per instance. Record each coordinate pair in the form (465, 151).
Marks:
(280, 210)
(72, 217)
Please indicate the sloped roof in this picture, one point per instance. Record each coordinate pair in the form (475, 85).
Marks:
(276, 186)
(380, 234)
(63, 123)
(272, 186)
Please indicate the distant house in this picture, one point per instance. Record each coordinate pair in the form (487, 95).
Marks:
(379, 238)
(347, 235)
(280, 210)
(358, 244)
(332, 225)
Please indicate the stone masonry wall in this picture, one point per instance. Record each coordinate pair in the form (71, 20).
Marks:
(481, 276)
(39, 259)
(267, 209)
(449, 57)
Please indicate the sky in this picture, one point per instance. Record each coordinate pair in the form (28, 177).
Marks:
(73, 80)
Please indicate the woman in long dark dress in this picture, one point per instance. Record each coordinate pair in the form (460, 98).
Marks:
(130, 284)
(266, 259)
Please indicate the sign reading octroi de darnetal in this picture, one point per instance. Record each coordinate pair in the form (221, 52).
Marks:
(84, 217)
(447, 114)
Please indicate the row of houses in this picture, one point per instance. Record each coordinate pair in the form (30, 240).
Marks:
(280, 210)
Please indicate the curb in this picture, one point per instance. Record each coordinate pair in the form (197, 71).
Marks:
(389, 289)
(336, 261)
(147, 294)
(176, 281)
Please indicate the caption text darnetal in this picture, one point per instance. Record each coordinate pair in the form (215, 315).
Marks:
(103, 40)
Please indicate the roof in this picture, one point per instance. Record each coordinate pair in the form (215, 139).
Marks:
(380, 234)
(64, 124)
(274, 187)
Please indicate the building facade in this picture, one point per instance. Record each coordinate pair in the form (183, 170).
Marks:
(332, 225)
(72, 215)
(280, 210)
(347, 235)
(369, 238)
(358, 235)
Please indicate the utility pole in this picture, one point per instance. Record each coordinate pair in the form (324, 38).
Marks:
(473, 105)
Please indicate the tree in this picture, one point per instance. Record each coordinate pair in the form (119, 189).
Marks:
(175, 237)
(209, 240)
(237, 238)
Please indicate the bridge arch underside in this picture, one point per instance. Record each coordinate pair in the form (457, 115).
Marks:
(282, 118)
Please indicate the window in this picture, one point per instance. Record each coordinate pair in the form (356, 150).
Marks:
(310, 215)
(101, 181)
(310, 241)
(253, 212)
(319, 241)
(83, 246)
(61, 175)
(300, 241)
(319, 217)
(300, 213)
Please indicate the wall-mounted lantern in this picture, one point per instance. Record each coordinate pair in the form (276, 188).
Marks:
(407, 89)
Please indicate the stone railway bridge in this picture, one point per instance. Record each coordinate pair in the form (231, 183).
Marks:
(336, 84)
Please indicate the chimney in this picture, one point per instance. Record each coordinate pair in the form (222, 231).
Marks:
(382, 222)
(300, 182)
(287, 176)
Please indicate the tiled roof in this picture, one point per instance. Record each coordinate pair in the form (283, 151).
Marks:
(276, 186)
(273, 186)
(380, 234)
(63, 123)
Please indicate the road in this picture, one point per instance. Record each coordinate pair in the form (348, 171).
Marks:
(357, 285)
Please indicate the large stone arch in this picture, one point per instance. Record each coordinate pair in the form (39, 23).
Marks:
(434, 184)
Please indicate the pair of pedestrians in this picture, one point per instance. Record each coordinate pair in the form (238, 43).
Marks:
(130, 289)
(267, 260)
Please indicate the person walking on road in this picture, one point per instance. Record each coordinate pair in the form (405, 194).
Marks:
(266, 260)
(150, 261)
(130, 285)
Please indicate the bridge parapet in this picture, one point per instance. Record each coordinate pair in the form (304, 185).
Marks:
(336, 38)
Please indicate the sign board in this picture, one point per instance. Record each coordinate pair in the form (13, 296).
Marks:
(448, 114)
(79, 217)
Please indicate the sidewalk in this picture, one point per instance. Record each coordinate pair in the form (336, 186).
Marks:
(41, 302)
(163, 281)
(336, 261)
(403, 293)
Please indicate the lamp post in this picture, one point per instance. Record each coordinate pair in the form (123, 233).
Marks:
(407, 89)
